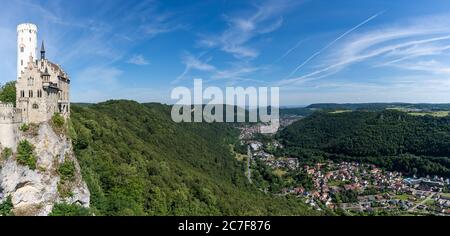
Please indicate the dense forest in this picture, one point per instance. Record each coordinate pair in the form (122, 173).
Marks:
(411, 144)
(137, 161)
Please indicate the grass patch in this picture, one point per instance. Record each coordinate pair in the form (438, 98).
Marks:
(434, 113)
(340, 111)
(403, 197)
(279, 172)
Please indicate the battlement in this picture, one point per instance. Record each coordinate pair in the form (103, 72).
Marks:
(9, 114)
(27, 27)
(6, 105)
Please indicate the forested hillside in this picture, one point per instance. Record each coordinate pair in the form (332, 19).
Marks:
(398, 137)
(136, 161)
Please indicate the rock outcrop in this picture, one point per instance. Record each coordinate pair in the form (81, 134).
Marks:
(35, 192)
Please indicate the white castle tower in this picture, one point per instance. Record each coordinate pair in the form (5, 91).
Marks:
(26, 45)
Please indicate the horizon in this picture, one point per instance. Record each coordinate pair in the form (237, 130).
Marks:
(352, 52)
(281, 106)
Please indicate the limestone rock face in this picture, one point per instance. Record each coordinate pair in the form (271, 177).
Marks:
(34, 192)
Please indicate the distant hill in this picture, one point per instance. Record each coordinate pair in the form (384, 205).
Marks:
(379, 106)
(300, 111)
(137, 161)
(374, 134)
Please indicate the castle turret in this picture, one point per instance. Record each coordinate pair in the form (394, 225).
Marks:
(26, 45)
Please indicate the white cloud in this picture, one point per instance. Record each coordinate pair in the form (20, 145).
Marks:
(138, 60)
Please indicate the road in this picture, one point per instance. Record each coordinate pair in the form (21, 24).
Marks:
(249, 159)
(422, 202)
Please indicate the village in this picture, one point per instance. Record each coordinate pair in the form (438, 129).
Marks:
(357, 188)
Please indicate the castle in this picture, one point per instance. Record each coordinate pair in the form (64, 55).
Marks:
(42, 87)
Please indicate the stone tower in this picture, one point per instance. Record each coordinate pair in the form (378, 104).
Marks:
(26, 45)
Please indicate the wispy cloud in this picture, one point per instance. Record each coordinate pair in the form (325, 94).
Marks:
(390, 44)
(138, 60)
(236, 72)
(244, 27)
(192, 62)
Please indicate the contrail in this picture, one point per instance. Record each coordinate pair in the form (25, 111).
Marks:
(334, 41)
(289, 51)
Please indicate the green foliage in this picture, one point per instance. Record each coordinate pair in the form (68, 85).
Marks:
(58, 120)
(67, 170)
(25, 154)
(24, 127)
(137, 161)
(7, 152)
(30, 129)
(63, 209)
(240, 148)
(392, 139)
(347, 196)
(8, 93)
(6, 207)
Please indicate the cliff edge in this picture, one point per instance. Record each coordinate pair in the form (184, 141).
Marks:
(41, 171)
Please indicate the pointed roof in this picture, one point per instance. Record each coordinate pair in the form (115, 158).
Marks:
(42, 47)
(46, 72)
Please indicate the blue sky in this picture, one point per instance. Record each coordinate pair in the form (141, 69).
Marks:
(315, 51)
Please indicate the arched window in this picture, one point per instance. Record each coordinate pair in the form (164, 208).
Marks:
(35, 106)
(22, 49)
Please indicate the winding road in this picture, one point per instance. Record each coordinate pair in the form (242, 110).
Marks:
(249, 159)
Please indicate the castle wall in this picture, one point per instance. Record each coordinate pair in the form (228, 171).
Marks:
(10, 119)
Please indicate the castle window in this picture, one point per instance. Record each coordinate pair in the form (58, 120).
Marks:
(22, 93)
(21, 62)
(22, 49)
(39, 93)
(30, 93)
(35, 106)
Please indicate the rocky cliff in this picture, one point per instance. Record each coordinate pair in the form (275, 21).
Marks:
(54, 177)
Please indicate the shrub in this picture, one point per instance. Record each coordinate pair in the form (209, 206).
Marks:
(64, 209)
(24, 127)
(7, 152)
(6, 207)
(25, 154)
(67, 170)
(58, 120)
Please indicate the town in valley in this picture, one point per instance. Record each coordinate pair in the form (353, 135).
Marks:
(346, 187)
